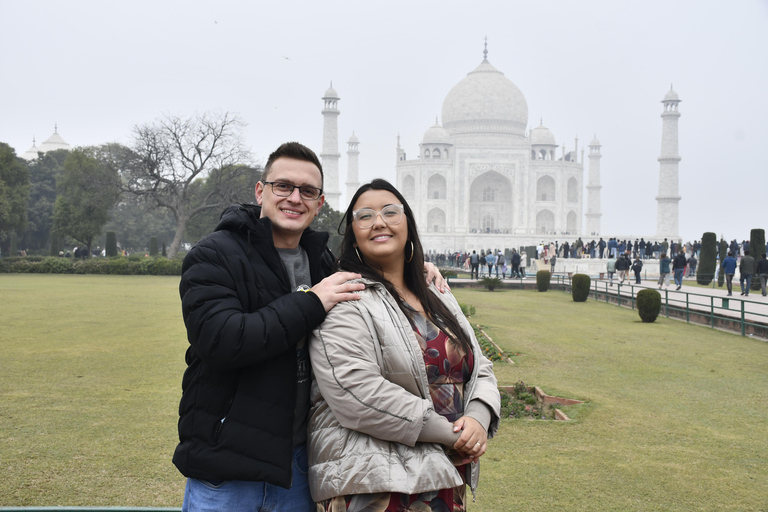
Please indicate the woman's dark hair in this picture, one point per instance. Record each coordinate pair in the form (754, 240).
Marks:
(413, 270)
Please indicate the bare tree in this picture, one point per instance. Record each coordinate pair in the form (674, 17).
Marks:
(171, 159)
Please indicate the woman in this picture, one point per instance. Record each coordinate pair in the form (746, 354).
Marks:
(403, 401)
(664, 270)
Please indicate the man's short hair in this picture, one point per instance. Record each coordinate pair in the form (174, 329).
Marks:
(296, 151)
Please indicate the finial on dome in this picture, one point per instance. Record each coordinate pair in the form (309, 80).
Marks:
(436, 120)
(541, 121)
(33, 140)
(56, 127)
(485, 51)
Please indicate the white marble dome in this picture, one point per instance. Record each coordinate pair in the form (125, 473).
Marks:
(541, 136)
(671, 96)
(485, 101)
(436, 135)
(595, 142)
(331, 93)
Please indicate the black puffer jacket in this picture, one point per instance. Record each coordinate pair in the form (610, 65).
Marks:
(243, 322)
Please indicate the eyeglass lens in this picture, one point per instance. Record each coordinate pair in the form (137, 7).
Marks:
(366, 217)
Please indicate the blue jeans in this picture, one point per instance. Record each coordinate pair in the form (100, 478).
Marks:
(748, 279)
(679, 276)
(243, 496)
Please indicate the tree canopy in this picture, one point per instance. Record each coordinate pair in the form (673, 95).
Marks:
(42, 196)
(14, 191)
(168, 158)
(86, 192)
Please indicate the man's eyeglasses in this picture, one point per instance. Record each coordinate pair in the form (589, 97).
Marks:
(366, 217)
(282, 189)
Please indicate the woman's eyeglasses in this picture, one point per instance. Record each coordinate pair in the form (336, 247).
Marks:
(366, 217)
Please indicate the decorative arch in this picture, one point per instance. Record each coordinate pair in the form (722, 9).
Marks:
(545, 221)
(571, 222)
(545, 189)
(490, 203)
(409, 188)
(445, 153)
(426, 152)
(573, 190)
(436, 153)
(436, 187)
(436, 221)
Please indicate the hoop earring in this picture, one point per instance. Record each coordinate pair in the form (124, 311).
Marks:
(358, 255)
(412, 251)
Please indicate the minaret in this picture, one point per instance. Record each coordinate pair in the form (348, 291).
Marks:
(593, 189)
(353, 182)
(668, 198)
(330, 155)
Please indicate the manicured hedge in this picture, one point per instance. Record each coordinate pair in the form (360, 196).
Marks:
(542, 280)
(648, 305)
(580, 285)
(114, 266)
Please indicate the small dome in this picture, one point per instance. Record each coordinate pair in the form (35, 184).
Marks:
(331, 93)
(353, 139)
(595, 142)
(541, 136)
(436, 135)
(53, 143)
(31, 153)
(671, 96)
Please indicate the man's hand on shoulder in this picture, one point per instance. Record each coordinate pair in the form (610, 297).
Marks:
(433, 274)
(335, 288)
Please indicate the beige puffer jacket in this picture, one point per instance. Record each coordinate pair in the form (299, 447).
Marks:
(370, 399)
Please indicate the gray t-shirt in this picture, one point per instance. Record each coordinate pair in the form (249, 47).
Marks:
(296, 265)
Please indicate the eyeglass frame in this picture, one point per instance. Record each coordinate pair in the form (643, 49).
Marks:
(272, 183)
(399, 207)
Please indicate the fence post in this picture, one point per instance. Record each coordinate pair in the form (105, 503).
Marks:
(743, 326)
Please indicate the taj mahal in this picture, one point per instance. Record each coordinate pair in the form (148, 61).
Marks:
(482, 179)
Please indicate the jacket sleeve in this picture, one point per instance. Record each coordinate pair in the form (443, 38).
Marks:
(220, 328)
(347, 367)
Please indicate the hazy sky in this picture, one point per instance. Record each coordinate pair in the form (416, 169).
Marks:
(586, 68)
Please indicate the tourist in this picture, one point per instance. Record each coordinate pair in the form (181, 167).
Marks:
(610, 267)
(474, 260)
(523, 263)
(729, 268)
(678, 267)
(664, 270)
(746, 269)
(637, 267)
(762, 271)
(623, 264)
(389, 425)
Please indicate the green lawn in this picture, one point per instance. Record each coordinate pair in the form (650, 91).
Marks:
(676, 415)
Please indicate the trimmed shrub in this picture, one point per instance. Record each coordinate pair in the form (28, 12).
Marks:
(153, 246)
(649, 304)
(542, 280)
(55, 265)
(580, 284)
(491, 283)
(110, 249)
(723, 254)
(705, 271)
(756, 250)
(468, 310)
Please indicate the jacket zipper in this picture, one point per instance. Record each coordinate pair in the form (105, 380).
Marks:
(221, 422)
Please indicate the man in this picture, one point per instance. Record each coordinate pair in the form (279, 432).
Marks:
(692, 262)
(552, 262)
(490, 261)
(610, 267)
(601, 247)
(515, 264)
(762, 271)
(729, 268)
(637, 267)
(474, 261)
(746, 270)
(251, 292)
(622, 267)
(678, 267)
(613, 247)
